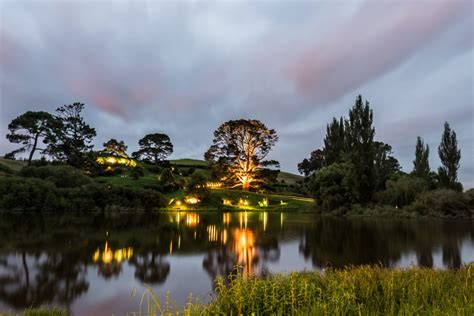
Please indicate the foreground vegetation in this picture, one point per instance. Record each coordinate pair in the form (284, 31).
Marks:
(366, 290)
(351, 291)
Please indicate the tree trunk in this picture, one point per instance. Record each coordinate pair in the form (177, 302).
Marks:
(246, 185)
(33, 149)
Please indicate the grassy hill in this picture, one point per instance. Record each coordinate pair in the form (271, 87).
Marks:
(287, 177)
(11, 166)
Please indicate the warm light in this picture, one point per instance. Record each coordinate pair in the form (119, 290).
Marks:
(178, 203)
(244, 248)
(111, 160)
(264, 203)
(226, 218)
(192, 200)
(243, 202)
(283, 203)
(214, 185)
(226, 202)
(192, 219)
(109, 255)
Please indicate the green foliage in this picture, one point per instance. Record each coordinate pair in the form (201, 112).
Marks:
(360, 149)
(28, 130)
(197, 186)
(62, 176)
(421, 165)
(443, 203)
(33, 194)
(239, 150)
(115, 147)
(315, 162)
(137, 172)
(45, 311)
(334, 142)
(332, 187)
(351, 291)
(71, 138)
(402, 191)
(450, 157)
(385, 165)
(154, 148)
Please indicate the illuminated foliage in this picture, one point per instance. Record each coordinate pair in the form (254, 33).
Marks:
(239, 150)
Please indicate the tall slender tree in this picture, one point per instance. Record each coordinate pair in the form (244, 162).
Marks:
(360, 148)
(71, 139)
(450, 155)
(29, 130)
(421, 165)
(334, 142)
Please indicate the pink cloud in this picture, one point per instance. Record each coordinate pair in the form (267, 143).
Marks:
(380, 36)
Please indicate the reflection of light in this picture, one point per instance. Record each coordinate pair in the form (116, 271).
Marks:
(243, 219)
(265, 220)
(171, 247)
(213, 233)
(179, 242)
(192, 219)
(226, 218)
(109, 255)
(244, 248)
(281, 219)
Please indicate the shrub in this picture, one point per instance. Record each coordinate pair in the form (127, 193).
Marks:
(332, 187)
(402, 191)
(18, 194)
(61, 175)
(197, 186)
(443, 202)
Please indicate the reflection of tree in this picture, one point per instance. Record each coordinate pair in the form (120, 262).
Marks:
(108, 270)
(451, 255)
(54, 278)
(151, 267)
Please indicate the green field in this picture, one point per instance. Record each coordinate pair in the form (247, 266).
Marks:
(14, 165)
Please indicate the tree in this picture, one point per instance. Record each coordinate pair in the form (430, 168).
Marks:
(332, 186)
(71, 138)
(450, 155)
(29, 129)
(116, 147)
(315, 162)
(421, 165)
(385, 165)
(334, 142)
(360, 148)
(239, 150)
(154, 148)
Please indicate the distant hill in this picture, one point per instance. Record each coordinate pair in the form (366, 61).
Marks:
(289, 178)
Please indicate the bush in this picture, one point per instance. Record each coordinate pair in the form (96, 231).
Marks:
(30, 194)
(332, 187)
(17, 194)
(402, 191)
(197, 186)
(443, 203)
(61, 175)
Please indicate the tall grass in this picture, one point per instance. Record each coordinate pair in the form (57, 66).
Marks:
(351, 291)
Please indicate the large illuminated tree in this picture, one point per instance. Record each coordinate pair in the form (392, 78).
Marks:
(239, 150)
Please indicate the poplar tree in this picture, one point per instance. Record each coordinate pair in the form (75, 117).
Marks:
(361, 149)
(421, 165)
(450, 155)
(334, 142)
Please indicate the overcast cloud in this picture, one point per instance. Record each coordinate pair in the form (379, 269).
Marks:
(184, 67)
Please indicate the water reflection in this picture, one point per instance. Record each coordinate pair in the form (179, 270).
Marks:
(43, 261)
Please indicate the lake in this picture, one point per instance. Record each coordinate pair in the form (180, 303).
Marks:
(98, 265)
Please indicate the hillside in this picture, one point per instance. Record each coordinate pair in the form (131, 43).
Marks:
(287, 177)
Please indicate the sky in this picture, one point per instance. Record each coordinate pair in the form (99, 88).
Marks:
(184, 67)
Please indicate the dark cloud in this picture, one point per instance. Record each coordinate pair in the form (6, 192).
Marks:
(184, 67)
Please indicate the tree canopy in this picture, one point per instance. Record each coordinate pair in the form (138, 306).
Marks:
(154, 148)
(29, 129)
(421, 165)
(450, 155)
(316, 161)
(239, 150)
(115, 147)
(70, 139)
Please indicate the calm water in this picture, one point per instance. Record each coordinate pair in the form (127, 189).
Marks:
(95, 265)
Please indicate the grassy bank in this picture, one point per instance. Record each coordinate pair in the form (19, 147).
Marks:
(366, 290)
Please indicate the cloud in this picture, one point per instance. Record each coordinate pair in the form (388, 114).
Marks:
(184, 67)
